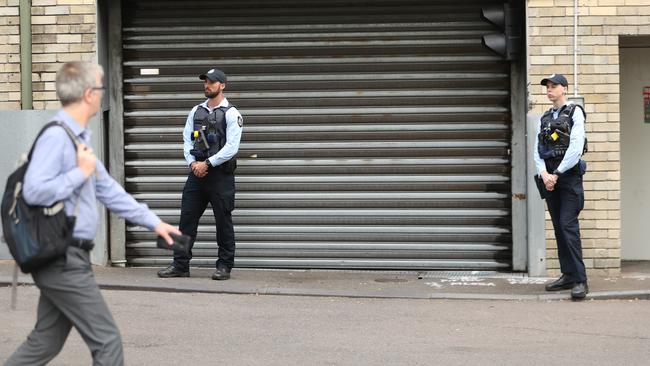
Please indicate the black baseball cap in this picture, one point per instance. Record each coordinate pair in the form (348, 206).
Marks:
(214, 75)
(555, 79)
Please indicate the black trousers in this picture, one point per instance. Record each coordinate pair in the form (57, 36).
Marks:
(218, 189)
(564, 204)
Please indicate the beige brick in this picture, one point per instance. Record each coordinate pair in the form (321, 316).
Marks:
(6, 30)
(60, 28)
(44, 57)
(82, 47)
(36, 3)
(614, 215)
(554, 50)
(9, 106)
(87, 38)
(48, 76)
(38, 11)
(44, 19)
(46, 67)
(8, 11)
(561, 21)
(542, 60)
(51, 48)
(68, 38)
(607, 263)
(9, 48)
(554, 31)
(82, 9)
(38, 105)
(593, 215)
(605, 50)
(622, 29)
(44, 38)
(540, 3)
(57, 10)
(608, 224)
(602, 10)
(83, 28)
(52, 104)
(628, 10)
(610, 2)
(592, 20)
(614, 234)
(69, 19)
(608, 205)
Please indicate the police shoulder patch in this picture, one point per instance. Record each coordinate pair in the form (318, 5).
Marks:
(240, 121)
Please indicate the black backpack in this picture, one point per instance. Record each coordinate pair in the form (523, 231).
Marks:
(35, 235)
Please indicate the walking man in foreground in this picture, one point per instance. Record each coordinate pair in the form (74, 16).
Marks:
(69, 295)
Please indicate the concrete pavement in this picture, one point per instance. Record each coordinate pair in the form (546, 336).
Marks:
(632, 284)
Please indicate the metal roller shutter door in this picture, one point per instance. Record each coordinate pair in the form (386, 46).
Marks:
(376, 133)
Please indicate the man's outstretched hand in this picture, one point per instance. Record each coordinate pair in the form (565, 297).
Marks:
(164, 229)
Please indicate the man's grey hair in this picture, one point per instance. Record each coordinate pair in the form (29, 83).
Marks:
(74, 78)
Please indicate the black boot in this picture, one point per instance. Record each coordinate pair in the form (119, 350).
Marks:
(579, 290)
(562, 283)
(221, 274)
(172, 271)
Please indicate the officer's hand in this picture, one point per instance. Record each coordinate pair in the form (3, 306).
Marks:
(164, 229)
(200, 169)
(86, 160)
(549, 180)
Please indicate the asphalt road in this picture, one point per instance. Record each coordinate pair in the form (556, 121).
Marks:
(216, 329)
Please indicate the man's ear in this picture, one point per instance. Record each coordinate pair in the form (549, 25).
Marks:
(88, 95)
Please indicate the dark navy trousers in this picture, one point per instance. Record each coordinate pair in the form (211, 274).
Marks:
(218, 189)
(564, 204)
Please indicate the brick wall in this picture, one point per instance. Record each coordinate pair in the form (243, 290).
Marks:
(550, 27)
(9, 55)
(62, 30)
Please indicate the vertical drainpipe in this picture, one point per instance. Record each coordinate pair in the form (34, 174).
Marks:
(25, 14)
(575, 48)
(576, 98)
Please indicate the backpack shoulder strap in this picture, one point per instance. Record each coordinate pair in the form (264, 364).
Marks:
(67, 129)
(573, 109)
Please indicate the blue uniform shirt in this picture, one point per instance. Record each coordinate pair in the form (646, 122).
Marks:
(576, 144)
(53, 176)
(234, 123)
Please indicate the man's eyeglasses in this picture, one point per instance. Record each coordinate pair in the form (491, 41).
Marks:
(102, 88)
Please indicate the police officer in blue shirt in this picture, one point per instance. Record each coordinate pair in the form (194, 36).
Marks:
(211, 139)
(559, 146)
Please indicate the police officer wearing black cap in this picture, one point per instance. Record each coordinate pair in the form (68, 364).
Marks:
(211, 139)
(559, 146)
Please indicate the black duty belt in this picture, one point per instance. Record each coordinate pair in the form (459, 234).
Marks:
(83, 244)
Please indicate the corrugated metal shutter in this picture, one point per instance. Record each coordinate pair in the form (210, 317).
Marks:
(376, 133)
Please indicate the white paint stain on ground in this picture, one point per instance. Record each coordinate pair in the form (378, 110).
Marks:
(528, 281)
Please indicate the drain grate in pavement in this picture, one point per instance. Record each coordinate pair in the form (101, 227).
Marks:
(464, 274)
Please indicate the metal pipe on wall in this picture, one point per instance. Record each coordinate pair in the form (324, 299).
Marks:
(575, 48)
(25, 14)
